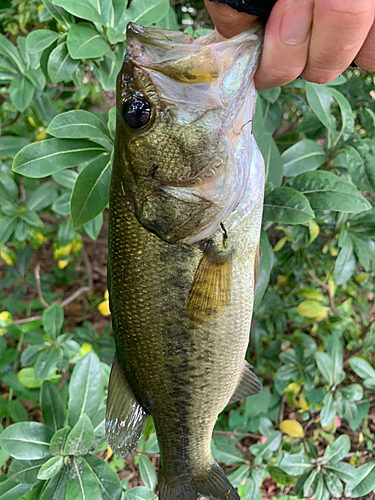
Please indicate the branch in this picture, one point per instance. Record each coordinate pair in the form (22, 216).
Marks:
(82, 289)
(38, 286)
(326, 287)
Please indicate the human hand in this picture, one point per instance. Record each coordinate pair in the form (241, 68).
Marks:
(317, 39)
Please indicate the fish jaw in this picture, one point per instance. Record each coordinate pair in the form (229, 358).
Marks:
(200, 92)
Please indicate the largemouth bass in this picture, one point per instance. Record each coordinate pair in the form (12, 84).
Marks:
(185, 215)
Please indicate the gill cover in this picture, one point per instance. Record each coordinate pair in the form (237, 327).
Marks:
(182, 107)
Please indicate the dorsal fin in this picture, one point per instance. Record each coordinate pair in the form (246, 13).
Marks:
(125, 418)
(248, 384)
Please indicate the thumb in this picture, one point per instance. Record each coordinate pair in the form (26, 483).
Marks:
(228, 21)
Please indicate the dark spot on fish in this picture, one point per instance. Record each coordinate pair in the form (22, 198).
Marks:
(225, 234)
(155, 166)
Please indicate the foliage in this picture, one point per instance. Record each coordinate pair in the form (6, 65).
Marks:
(311, 430)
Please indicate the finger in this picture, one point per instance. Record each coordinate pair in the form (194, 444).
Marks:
(286, 43)
(339, 30)
(228, 21)
(366, 56)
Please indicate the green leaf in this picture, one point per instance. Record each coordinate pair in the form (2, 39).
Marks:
(82, 485)
(27, 440)
(326, 191)
(320, 99)
(62, 204)
(364, 482)
(328, 412)
(24, 471)
(265, 267)
(47, 363)
(80, 438)
(271, 95)
(239, 474)
(65, 178)
(338, 450)
(58, 441)
(60, 65)
(347, 115)
(109, 68)
(55, 488)
(84, 42)
(39, 40)
(287, 206)
(140, 493)
(345, 264)
(82, 8)
(26, 377)
(21, 92)
(85, 390)
(361, 166)
(9, 51)
(41, 159)
(266, 449)
(362, 368)
(272, 160)
(51, 468)
(61, 15)
(364, 251)
(53, 320)
(52, 406)
(321, 492)
(333, 484)
(9, 145)
(343, 470)
(325, 365)
(146, 12)
(295, 465)
(7, 226)
(303, 157)
(94, 226)
(43, 197)
(78, 124)
(226, 452)
(147, 472)
(17, 411)
(9, 490)
(91, 190)
(108, 481)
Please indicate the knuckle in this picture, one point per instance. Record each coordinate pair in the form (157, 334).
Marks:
(319, 77)
(353, 9)
(366, 62)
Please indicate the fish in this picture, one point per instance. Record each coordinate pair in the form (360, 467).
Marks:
(185, 214)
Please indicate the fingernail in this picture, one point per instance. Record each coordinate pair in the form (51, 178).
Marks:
(296, 22)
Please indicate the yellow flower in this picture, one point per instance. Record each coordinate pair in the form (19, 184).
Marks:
(61, 264)
(104, 308)
(85, 348)
(62, 251)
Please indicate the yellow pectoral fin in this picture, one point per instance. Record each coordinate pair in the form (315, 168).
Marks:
(211, 289)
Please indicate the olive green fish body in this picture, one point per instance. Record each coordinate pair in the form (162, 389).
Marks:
(185, 213)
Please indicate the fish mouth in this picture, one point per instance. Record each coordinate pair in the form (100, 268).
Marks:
(185, 59)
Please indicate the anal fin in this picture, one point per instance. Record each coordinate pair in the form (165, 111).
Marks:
(125, 418)
(248, 384)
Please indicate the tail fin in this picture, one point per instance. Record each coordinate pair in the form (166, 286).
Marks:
(213, 484)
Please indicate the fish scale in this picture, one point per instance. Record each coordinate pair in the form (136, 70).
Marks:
(181, 270)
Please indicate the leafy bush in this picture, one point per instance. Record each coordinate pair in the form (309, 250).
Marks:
(311, 430)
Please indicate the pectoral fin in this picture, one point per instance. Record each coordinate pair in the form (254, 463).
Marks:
(211, 289)
(125, 417)
(248, 385)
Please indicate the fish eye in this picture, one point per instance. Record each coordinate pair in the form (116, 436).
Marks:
(136, 112)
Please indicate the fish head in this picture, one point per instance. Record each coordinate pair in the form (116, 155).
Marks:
(177, 101)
